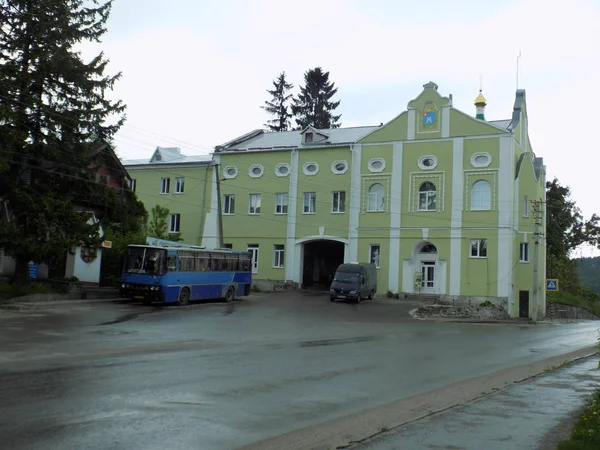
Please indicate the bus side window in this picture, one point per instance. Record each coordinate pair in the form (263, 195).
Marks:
(171, 263)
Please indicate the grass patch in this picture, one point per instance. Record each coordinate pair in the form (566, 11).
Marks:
(586, 433)
(8, 291)
(575, 300)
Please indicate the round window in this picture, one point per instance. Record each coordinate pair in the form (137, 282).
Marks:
(428, 162)
(376, 165)
(481, 159)
(311, 168)
(340, 167)
(230, 172)
(283, 170)
(256, 170)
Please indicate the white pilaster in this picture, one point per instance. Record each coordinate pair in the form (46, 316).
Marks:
(355, 195)
(505, 217)
(396, 217)
(456, 217)
(446, 121)
(210, 236)
(291, 260)
(412, 123)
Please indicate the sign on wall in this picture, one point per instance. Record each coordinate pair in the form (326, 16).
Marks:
(552, 284)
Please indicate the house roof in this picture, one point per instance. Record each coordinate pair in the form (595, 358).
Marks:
(261, 140)
(504, 123)
(170, 155)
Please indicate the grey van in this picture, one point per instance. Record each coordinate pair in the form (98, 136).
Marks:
(354, 281)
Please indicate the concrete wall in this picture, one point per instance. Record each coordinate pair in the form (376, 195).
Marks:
(565, 311)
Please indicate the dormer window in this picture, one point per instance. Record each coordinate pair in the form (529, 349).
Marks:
(309, 138)
(157, 157)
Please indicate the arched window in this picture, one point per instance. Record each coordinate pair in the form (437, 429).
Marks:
(427, 197)
(376, 198)
(481, 196)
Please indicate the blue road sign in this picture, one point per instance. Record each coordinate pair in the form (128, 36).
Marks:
(552, 284)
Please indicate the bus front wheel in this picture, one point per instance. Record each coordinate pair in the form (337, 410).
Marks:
(184, 297)
(230, 294)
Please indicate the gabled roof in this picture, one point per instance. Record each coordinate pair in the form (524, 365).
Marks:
(170, 155)
(504, 123)
(293, 139)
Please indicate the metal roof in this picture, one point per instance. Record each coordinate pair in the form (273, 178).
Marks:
(504, 123)
(293, 139)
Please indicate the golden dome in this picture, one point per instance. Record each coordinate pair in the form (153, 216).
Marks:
(480, 100)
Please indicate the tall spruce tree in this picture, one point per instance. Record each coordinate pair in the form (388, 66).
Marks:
(279, 105)
(313, 106)
(53, 114)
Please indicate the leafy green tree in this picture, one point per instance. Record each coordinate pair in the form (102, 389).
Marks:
(279, 105)
(53, 114)
(566, 229)
(158, 225)
(313, 106)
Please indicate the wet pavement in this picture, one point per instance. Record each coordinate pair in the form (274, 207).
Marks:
(533, 415)
(219, 376)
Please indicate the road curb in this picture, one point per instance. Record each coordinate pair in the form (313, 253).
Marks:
(349, 431)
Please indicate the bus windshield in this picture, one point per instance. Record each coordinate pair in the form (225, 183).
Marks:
(151, 261)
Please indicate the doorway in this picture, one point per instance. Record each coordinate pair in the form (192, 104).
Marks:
(321, 260)
(428, 277)
(523, 304)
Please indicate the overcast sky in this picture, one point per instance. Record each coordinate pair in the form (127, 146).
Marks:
(195, 72)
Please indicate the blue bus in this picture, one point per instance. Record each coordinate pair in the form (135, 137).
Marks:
(183, 274)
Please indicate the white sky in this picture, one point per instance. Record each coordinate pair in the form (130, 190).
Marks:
(195, 72)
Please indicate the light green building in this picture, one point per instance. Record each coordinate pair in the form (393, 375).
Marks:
(442, 202)
(184, 184)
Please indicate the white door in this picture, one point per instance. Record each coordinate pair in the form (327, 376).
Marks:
(253, 250)
(427, 277)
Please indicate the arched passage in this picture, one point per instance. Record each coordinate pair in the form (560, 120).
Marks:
(320, 260)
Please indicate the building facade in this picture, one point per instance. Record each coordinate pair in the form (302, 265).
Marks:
(442, 202)
(184, 185)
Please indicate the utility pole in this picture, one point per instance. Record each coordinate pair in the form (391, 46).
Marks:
(220, 218)
(537, 236)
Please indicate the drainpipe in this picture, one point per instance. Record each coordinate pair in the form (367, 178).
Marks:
(220, 218)
(202, 212)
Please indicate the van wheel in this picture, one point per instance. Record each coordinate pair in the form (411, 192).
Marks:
(358, 298)
(230, 294)
(370, 295)
(184, 297)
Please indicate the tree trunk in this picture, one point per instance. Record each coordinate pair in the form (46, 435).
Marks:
(22, 271)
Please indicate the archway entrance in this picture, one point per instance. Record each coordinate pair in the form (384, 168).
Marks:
(427, 259)
(321, 259)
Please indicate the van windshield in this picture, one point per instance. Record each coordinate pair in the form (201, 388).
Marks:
(346, 277)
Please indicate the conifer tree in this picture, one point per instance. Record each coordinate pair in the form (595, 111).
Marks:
(53, 115)
(279, 104)
(314, 106)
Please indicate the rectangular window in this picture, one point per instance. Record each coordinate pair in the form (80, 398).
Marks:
(281, 203)
(229, 246)
(229, 204)
(174, 222)
(254, 204)
(479, 248)
(526, 206)
(524, 252)
(338, 203)
(310, 203)
(278, 256)
(374, 254)
(165, 185)
(179, 185)
(132, 184)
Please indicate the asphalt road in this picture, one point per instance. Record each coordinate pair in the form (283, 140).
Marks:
(218, 376)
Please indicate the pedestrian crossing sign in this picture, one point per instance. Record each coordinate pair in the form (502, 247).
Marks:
(552, 284)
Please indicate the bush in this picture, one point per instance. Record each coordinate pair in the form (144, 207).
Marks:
(389, 294)
(487, 303)
(586, 433)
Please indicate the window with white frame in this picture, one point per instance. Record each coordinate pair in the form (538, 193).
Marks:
(282, 170)
(281, 203)
(278, 255)
(253, 250)
(254, 204)
(376, 164)
(375, 254)
(310, 203)
(165, 185)
(338, 202)
(179, 185)
(256, 171)
(376, 200)
(339, 167)
(427, 200)
(526, 206)
(481, 196)
(133, 184)
(310, 168)
(229, 204)
(174, 223)
(524, 252)
(479, 248)
(230, 172)
(309, 138)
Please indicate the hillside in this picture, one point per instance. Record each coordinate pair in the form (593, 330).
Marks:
(589, 272)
